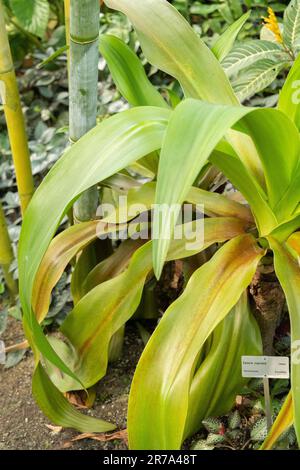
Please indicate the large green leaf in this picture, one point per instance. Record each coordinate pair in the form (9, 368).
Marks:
(288, 272)
(61, 250)
(241, 178)
(194, 130)
(218, 379)
(57, 408)
(250, 52)
(256, 78)
(291, 23)
(224, 43)
(159, 396)
(109, 147)
(33, 15)
(110, 267)
(170, 43)
(128, 73)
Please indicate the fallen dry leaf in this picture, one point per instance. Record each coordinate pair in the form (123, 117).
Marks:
(80, 399)
(103, 437)
(54, 429)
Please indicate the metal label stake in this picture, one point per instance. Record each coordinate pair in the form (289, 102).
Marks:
(266, 367)
(267, 403)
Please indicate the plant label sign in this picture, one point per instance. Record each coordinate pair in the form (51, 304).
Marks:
(271, 367)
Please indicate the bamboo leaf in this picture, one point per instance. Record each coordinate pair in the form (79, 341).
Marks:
(169, 43)
(128, 73)
(224, 43)
(250, 52)
(159, 396)
(291, 26)
(256, 78)
(283, 421)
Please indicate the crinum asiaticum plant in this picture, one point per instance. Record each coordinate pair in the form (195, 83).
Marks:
(190, 367)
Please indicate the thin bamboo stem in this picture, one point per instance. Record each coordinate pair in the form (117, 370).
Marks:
(14, 118)
(6, 254)
(67, 21)
(83, 83)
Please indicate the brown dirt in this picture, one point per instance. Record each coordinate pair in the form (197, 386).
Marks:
(22, 424)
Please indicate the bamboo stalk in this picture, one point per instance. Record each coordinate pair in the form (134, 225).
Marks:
(67, 21)
(14, 118)
(84, 55)
(6, 254)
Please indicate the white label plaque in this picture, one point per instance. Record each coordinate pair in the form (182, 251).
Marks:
(272, 367)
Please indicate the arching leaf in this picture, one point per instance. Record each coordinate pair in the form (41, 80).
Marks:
(170, 43)
(159, 396)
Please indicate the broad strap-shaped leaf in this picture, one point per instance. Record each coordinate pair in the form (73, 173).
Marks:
(110, 267)
(224, 43)
(289, 97)
(67, 244)
(218, 378)
(89, 340)
(170, 43)
(256, 78)
(62, 249)
(32, 15)
(250, 52)
(128, 73)
(159, 396)
(245, 149)
(283, 421)
(241, 178)
(194, 130)
(57, 408)
(291, 26)
(105, 150)
(141, 199)
(284, 230)
(288, 272)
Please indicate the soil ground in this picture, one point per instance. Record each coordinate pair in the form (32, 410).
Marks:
(24, 427)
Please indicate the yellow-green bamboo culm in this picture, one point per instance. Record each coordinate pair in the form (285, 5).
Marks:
(14, 118)
(67, 25)
(83, 85)
(67, 20)
(6, 254)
